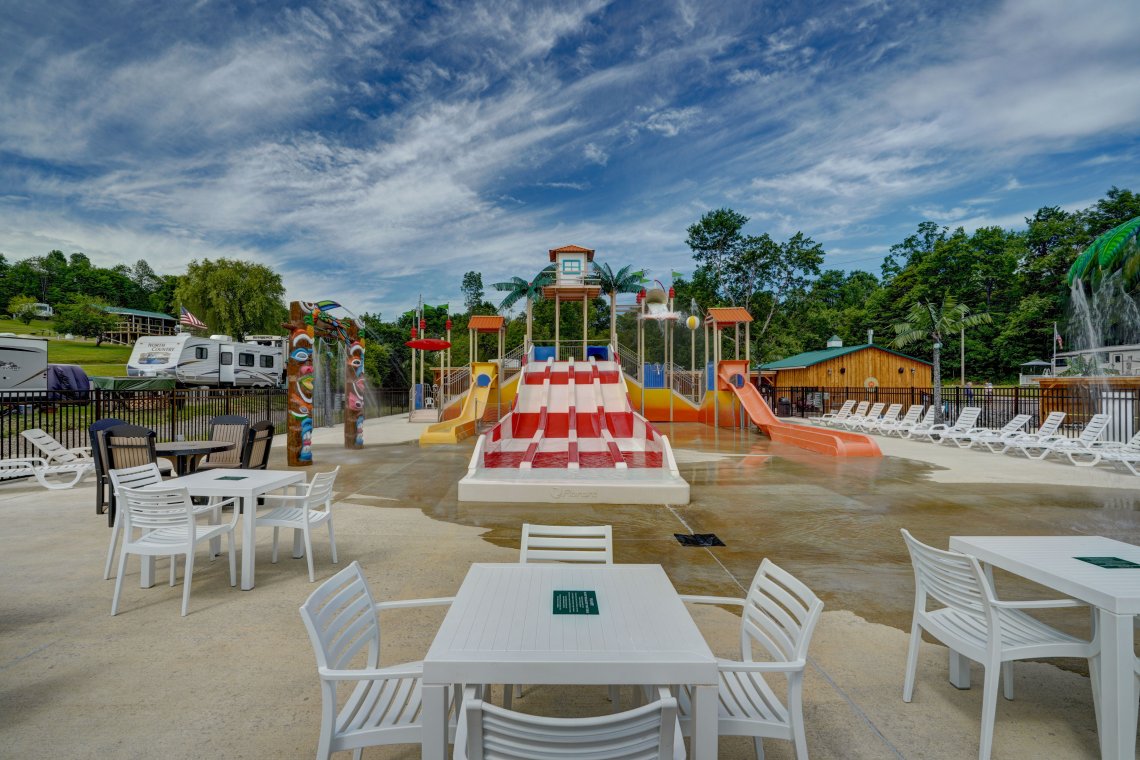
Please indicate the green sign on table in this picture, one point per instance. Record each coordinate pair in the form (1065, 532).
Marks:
(575, 603)
(1111, 563)
(231, 477)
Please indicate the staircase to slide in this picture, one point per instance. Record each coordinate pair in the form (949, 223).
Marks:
(572, 436)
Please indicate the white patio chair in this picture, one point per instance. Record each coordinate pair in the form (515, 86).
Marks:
(55, 452)
(907, 421)
(857, 420)
(860, 411)
(889, 416)
(966, 419)
(488, 732)
(841, 413)
(166, 519)
(1007, 431)
(52, 476)
(384, 704)
(780, 614)
(302, 511)
(1109, 451)
(975, 625)
(130, 477)
(1049, 427)
(1039, 448)
(588, 544)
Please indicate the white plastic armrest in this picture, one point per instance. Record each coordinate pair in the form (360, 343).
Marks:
(790, 666)
(81, 450)
(202, 508)
(370, 674)
(712, 600)
(1041, 604)
(405, 603)
(33, 461)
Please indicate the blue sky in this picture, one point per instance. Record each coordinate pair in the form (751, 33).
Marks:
(373, 151)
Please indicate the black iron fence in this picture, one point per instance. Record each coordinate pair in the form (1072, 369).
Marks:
(998, 405)
(184, 412)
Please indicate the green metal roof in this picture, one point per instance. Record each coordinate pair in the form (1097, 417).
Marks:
(809, 358)
(137, 313)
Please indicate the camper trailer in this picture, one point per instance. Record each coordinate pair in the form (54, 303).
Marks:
(23, 363)
(215, 361)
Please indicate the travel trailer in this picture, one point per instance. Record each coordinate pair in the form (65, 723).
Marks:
(216, 361)
(23, 363)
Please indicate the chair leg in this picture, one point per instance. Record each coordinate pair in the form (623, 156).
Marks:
(615, 699)
(796, 716)
(309, 552)
(989, 709)
(508, 695)
(911, 661)
(276, 530)
(1007, 679)
(115, 529)
(233, 560)
(119, 579)
(173, 569)
(759, 744)
(186, 581)
(332, 539)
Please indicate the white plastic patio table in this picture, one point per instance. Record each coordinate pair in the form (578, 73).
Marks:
(1050, 561)
(246, 485)
(501, 628)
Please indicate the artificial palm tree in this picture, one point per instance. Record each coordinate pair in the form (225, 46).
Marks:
(623, 281)
(926, 319)
(517, 289)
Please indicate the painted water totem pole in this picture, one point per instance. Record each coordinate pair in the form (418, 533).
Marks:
(307, 322)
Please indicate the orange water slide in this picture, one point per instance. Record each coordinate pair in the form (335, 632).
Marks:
(732, 375)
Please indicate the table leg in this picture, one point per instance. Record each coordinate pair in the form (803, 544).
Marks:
(434, 716)
(1117, 687)
(248, 505)
(704, 722)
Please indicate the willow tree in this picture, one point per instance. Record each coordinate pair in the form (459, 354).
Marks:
(625, 280)
(928, 320)
(517, 289)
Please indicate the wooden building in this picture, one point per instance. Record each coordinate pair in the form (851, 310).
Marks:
(839, 366)
(133, 324)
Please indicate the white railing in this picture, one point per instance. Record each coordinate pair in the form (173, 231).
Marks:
(512, 363)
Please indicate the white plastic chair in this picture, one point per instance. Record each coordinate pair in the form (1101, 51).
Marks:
(966, 439)
(966, 419)
(1049, 427)
(301, 512)
(860, 411)
(55, 452)
(889, 416)
(1058, 444)
(51, 476)
(907, 421)
(488, 732)
(841, 413)
(975, 625)
(384, 705)
(166, 518)
(780, 614)
(131, 477)
(857, 420)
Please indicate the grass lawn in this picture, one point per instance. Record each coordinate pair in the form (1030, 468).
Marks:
(95, 360)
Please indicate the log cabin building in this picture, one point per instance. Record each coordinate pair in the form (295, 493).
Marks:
(838, 366)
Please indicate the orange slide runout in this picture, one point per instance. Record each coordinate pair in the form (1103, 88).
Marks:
(732, 375)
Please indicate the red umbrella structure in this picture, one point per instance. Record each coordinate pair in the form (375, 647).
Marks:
(428, 344)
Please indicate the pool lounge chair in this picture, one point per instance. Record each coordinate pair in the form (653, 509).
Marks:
(964, 423)
(891, 415)
(860, 411)
(1048, 428)
(53, 476)
(843, 412)
(54, 452)
(911, 419)
(1039, 449)
(1126, 455)
(970, 437)
(856, 420)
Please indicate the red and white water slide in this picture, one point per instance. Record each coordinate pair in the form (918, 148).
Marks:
(572, 436)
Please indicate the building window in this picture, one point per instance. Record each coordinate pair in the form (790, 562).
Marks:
(245, 360)
(267, 361)
(571, 266)
(200, 352)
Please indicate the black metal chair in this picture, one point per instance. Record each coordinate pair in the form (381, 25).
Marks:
(257, 446)
(104, 492)
(232, 428)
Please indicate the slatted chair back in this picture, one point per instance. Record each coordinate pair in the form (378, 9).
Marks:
(129, 446)
(1015, 424)
(1051, 424)
(157, 509)
(892, 413)
(51, 449)
(967, 417)
(99, 456)
(875, 410)
(135, 477)
(341, 620)
(232, 428)
(952, 579)
(845, 410)
(321, 487)
(928, 418)
(861, 409)
(780, 614)
(911, 416)
(1095, 428)
(567, 543)
(495, 733)
(258, 444)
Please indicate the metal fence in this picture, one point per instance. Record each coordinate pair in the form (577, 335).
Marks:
(999, 405)
(184, 412)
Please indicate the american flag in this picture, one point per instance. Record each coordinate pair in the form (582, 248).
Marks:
(191, 320)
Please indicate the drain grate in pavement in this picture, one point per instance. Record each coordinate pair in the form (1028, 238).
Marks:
(698, 539)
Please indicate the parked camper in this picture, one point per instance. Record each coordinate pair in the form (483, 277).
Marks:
(23, 363)
(217, 360)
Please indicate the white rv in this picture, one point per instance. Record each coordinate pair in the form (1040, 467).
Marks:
(216, 360)
(23, 363)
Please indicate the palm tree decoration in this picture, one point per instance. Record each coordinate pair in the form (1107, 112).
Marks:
(1117, 249)
(623, 281)
(517, 289)
(929, 320)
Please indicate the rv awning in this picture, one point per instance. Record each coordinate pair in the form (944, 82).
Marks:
(133, 383)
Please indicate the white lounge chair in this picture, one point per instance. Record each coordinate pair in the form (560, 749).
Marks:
(53, 476)
(976, 626)
(981, 434)
(1126, 455)
(906, 422)
(891, 415)
(55, 452)
(1049, 427)
(860, 410)
(1041, 448)
(965, 421)
(856, 420)
(842, 413)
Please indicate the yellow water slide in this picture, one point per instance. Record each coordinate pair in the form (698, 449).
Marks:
(484, 379)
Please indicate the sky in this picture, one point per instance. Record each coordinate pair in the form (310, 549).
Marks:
(372, 152)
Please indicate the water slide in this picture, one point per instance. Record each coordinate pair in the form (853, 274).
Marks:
(841, 443)
(484, 378)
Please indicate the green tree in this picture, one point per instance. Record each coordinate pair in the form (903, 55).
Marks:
(625, 280)
(472, 290)
(83, 315)
(716, 240)
(517, 289)
(936, 321)
(23, 308)
(237, 297)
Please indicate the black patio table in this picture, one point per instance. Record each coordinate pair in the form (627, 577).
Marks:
(187, 454)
